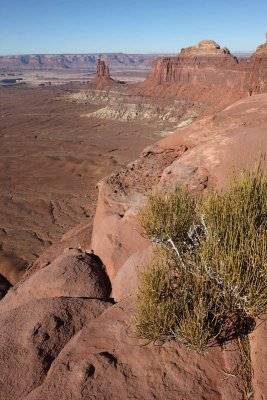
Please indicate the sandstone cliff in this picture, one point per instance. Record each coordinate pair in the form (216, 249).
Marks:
(209, 73)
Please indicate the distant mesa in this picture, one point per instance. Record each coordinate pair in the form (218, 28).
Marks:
(199, 71)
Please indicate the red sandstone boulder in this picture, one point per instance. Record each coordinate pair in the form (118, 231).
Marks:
(73, 274)
(78, 237)
(116, 233)
(105, 361)
(11, 267)
(32, 336)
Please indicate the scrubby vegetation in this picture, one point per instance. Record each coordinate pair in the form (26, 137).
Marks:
(207, 281)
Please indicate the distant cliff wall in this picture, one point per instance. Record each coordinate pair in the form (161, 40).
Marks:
(208, 66)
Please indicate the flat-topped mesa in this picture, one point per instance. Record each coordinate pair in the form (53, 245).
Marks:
(207, 72)
(204, 65)
(205, 48)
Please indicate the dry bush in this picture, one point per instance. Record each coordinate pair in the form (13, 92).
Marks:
(208, 278)
(171, 217)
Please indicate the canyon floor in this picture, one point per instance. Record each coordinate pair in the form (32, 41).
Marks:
(50, 161)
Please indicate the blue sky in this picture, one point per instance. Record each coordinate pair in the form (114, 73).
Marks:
(137, 26)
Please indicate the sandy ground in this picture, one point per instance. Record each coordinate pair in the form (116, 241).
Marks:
(50, 161)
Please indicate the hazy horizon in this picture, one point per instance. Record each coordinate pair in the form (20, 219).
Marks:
(102, 52)
(151, 27)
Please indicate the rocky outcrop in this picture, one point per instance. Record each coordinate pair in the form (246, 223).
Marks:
(106, 361)
(72, 274)
(261, 51)
(259, 70)
(206, 48)
(198, 72)
(205, 65)
(116, 232)
(102, 70)
(103, 77)
(201, 155)
(32, 336)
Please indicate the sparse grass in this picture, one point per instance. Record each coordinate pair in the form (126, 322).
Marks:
(208, 277)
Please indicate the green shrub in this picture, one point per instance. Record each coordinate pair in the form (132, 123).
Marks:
(208, 277)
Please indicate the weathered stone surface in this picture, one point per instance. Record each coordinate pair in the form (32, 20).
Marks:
(116, 232)
(126, 282)
(32, 336)
(78, 238)
(201, 155)
(106, 361)
(258, 347)
(232, 139)
(11, 267)
(73, 274)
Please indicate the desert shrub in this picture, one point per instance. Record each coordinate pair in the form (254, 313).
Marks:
(208, 277)
(156, 307)
(168, 218)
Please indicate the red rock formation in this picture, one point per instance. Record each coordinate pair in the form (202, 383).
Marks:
(33, 335)
(258, 79)
(102, 69)
(198, 72)
(72, 274)
(105, 361)
(205, 64)
(102, 74)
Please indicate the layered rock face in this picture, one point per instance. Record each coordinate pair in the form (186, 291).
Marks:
(259, 70)
(207, 66)
(58, 61)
